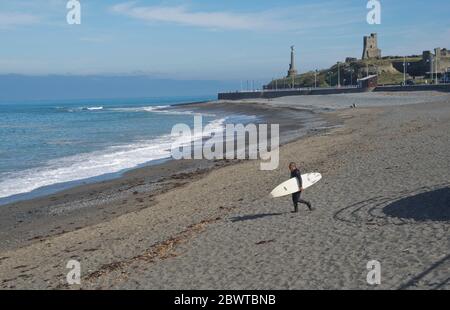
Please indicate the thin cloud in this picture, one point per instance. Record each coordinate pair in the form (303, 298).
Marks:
(295, 18)
(96, 39)
(11, 19)
(181, 15)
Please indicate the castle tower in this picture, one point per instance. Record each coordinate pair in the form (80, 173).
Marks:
(292, 71)
(441, 59)
(371, 49)
(437, 52)
(437, 62)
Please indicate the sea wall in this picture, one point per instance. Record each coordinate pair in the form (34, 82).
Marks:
(268, 94)
(440, 87)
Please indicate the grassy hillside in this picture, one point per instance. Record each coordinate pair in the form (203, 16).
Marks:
(389, 71)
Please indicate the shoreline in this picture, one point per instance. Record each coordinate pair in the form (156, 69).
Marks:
(379, 158)
(85, 203)
(13, 192)
(244, 107)
(202, 107)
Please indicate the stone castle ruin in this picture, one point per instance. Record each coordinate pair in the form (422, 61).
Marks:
(390, 70)
(440, 60)
(430, 63)
(371, 49)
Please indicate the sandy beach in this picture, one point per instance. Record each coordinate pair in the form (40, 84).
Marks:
(385, 196)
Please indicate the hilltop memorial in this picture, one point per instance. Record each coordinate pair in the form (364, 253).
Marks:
(292, 71)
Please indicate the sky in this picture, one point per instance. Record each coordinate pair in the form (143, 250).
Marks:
(208, 39)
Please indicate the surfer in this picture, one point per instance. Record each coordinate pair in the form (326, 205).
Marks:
(296, 197)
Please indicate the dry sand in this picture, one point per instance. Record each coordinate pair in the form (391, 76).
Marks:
(365, 100)
(385, 195)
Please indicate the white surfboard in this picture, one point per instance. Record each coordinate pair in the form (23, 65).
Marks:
(291, 186)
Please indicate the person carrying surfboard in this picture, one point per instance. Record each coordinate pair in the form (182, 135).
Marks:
(296, 197)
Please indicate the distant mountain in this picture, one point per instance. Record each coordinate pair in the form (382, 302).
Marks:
(22, 87)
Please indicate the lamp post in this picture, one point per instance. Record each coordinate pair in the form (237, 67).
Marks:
(404, 71)
(431, 69)
(405, 65)
(315, 79)
(437, 68)
(339, 75)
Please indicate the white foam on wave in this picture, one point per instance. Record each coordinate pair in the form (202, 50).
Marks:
(163, 109)
(160, 109)
(140, 109)
(94, 108)
(93, 164)
(79, 109)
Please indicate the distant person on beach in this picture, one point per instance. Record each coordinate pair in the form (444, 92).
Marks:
(296, 197)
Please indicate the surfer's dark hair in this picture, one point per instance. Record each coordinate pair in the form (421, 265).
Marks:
(292, 164)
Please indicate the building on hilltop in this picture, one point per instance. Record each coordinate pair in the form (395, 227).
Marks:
(439, 62)
(292, 71)
(442, 52)
(371, 49)
(368, 82)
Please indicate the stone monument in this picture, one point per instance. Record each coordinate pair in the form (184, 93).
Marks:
(292, 71)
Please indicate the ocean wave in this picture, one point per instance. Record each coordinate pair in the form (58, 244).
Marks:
(94, 108)
(163, 109)
(140, 109)
(160, 109)
(87, 165)
(79, 109)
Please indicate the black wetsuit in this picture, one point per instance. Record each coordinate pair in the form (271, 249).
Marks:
(296, 197)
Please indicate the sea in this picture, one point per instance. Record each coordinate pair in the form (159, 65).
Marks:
(47, 146)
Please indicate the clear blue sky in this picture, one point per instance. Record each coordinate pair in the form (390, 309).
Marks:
(208, 39)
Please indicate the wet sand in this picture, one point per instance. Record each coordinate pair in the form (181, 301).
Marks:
(25, 222)
(385, 195)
